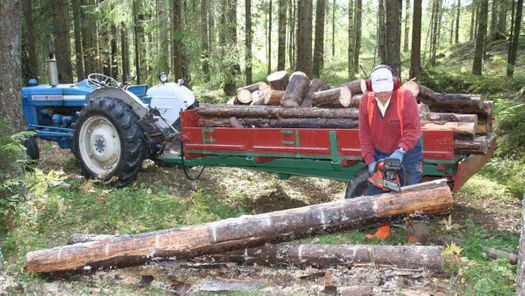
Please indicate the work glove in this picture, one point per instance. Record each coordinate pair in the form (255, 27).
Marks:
(398, 154)
(371, 167)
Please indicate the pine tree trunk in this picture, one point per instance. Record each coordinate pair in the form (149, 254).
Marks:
(78, 39)
(248, 41)
(415, 52)
(163, 54)
(281, 47)
(304, 37)
(351, 39)
(381, 31)
(333, 28)
(513, 45)
(176, 42)
(205, 51)
(29, 55)
(472, 20)
(477, 66)
(114, 51)
(407, 18)
(10, 66)
(493, 21)
(357, 46)
(502, 16)
(124, 47)
(211, 28)
(319, 40)
(458, 10)
(269, 36)
(62, 48)
(393, 35)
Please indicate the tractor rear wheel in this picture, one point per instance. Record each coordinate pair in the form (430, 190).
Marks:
(358, 186)
(109, 142)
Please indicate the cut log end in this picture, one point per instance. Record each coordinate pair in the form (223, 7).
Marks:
(345, 97)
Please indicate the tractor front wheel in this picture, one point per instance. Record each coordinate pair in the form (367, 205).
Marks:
(108, 141)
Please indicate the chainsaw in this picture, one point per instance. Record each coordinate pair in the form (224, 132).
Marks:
(386, 175)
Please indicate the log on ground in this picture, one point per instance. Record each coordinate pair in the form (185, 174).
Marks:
(296, 90)
(324, 256)
(247, 231)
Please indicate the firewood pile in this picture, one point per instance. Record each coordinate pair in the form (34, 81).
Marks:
(295, 101)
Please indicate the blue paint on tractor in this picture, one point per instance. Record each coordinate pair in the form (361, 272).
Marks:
(50, 111)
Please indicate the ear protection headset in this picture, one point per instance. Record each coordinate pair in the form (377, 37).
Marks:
(397, 81)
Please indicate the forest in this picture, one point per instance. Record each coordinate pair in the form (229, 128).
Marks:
(449, 48)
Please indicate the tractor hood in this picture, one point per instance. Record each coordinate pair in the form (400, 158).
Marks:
(170, 99)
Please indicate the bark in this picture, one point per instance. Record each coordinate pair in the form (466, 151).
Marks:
(304, 37)
(281, 123)
(356, 86)
(10, 66)
(272, 97)
(248, 41)
(29, 55)
(326, 256)
(341, 96)
(496, 254)
(177, 48)
(124, 45)
(114, 52)
(162, 57)
(292, 11)
(513, 45)
(381, 32)
(250, 230)
(296, 90)
(415, 51)
(461, 130)
(435, 25)
(458, 10)
(333, 27)
(278, 80)
(480, 145)
(393, 35)
(357, 46)
(502, 16)
(493, 21)
(269, 35)
(315, 86)
(244, 94)
(62, 47)
(407, 18)
(452, 117)
(281, 46)
(319, 40)
(479, 51)
(473, 9)
(227, 111)
(520, 272)
(351, 39)
(77, 28)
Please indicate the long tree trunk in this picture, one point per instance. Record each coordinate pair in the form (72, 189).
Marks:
(292, 11)
(513, 45)
(333, 28)
(269, 43)
(493, 21)
(458, 10)
(114, 51)
(281, 47)
(357, 46)
(415, 52)
(29, 55)
(78, 39)
(124, 47)
(10, 63)
(177, 40)
(163, 53)
(351, 39)
(502, 16)
(381, 32)
(393, 35)
(62, 48)
(248, 41)
(407, 19)
(304, 37)
(319, 40)
(205, 50)
(473, 9)
(477, 66)
(430, 198)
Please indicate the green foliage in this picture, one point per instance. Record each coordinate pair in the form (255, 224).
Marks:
(510, 126)
(506, 171)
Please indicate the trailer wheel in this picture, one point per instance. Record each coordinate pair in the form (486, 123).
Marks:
(32, 148)
(109, 143)
(358, 186)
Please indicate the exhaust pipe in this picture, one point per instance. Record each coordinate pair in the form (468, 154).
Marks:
(52, 69)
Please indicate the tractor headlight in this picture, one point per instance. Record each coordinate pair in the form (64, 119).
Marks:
(163, 77)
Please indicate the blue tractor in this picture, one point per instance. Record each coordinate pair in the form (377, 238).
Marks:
(110, 128)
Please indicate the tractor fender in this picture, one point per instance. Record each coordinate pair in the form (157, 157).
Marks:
(138, 107)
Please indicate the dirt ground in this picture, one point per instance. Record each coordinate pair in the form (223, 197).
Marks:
(267, 193)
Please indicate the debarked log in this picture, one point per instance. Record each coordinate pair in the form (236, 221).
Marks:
(325, 255)
(282, 122)
(246, 231)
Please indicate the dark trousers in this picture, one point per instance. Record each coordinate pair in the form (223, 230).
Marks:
(413, 163)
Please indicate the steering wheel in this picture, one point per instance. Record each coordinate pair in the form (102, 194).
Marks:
(102, 80)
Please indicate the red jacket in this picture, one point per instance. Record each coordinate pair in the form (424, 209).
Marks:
(384, 134)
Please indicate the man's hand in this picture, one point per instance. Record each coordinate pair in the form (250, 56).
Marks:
(398, 154)
(371, 167)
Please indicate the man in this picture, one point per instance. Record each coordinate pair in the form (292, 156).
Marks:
(389, 127)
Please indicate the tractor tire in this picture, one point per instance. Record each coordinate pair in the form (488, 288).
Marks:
(32, 148)
(358, 186)
(108, 141)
